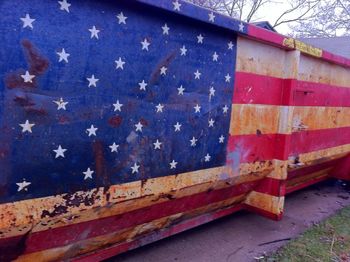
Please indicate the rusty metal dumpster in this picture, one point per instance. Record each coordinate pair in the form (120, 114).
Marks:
(124, 122)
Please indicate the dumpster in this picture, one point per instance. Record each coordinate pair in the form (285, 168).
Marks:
(124, 122)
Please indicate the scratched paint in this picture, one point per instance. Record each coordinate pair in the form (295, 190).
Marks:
(260, 152)
(90, 82)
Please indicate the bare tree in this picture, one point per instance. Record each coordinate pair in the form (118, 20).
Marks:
(331, 18)
(307, 18)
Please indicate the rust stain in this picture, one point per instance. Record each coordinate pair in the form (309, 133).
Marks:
(165, 62)
(100, 162)
(37, 65)
(115, 121)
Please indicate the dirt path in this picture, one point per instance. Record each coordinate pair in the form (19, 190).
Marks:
(241, 236)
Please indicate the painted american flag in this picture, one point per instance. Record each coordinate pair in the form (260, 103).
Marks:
(96, 93)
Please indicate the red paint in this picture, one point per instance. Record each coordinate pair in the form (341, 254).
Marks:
(336, 58)
(342, 169)
(155, 236)
(72, 233)
(115, 121)
(271, 186)
(266, 35)
(252, 88)
(308, 141)
(254, 148)
(263, 212)
(262, 147)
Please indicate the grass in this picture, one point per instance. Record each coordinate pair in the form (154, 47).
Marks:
(327, 241)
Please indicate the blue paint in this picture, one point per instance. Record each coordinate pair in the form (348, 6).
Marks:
(30, 156)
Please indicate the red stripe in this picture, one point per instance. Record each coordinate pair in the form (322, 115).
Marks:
(155, 236)
(266, 35)
(262, 147)
(72, 233)
(254, 148)
(271, 186)
(308, 141)
(316, 94)
(313, 169)
(335, 58)
(251, 89)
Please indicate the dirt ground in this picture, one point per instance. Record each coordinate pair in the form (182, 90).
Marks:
(244, 236)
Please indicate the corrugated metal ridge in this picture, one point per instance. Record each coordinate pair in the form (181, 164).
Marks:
(246, 29)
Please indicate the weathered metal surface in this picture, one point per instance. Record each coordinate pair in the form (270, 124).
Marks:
(185, 131)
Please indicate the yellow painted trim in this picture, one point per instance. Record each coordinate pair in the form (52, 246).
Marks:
(246, 119)
(22, 216)
(271, 204)
(125, 235)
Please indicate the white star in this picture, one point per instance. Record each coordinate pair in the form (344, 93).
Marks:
(27, 21)
(197, 109)
(145, 44)
(119, 63)
(117, 106)
(64, 5)
(181, 90)
(197, 75)
(227, 78)
(211, 91)
(165, 29)
(211, 122)
(63, 56)
(60, 104)
(177, 5)
(163, 70)
(215, 57)
(193, 141)
(92, 130)
(135, 168)
(139, 127)
(177, 127)
(159, 108)
(200, 39)
(221, 139)
(94, 32)
(121, 18)
(23, 185)
(143, 85)
(183, 50)
(225, 109)
(27, 77)
(230, 45)
(27, 127)
(157, 144)
(211, 17)
(114, 147)
(241, 27)
(173, 164)
(59, 151)
(207, 158)
(92, 80)
(88, 173)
